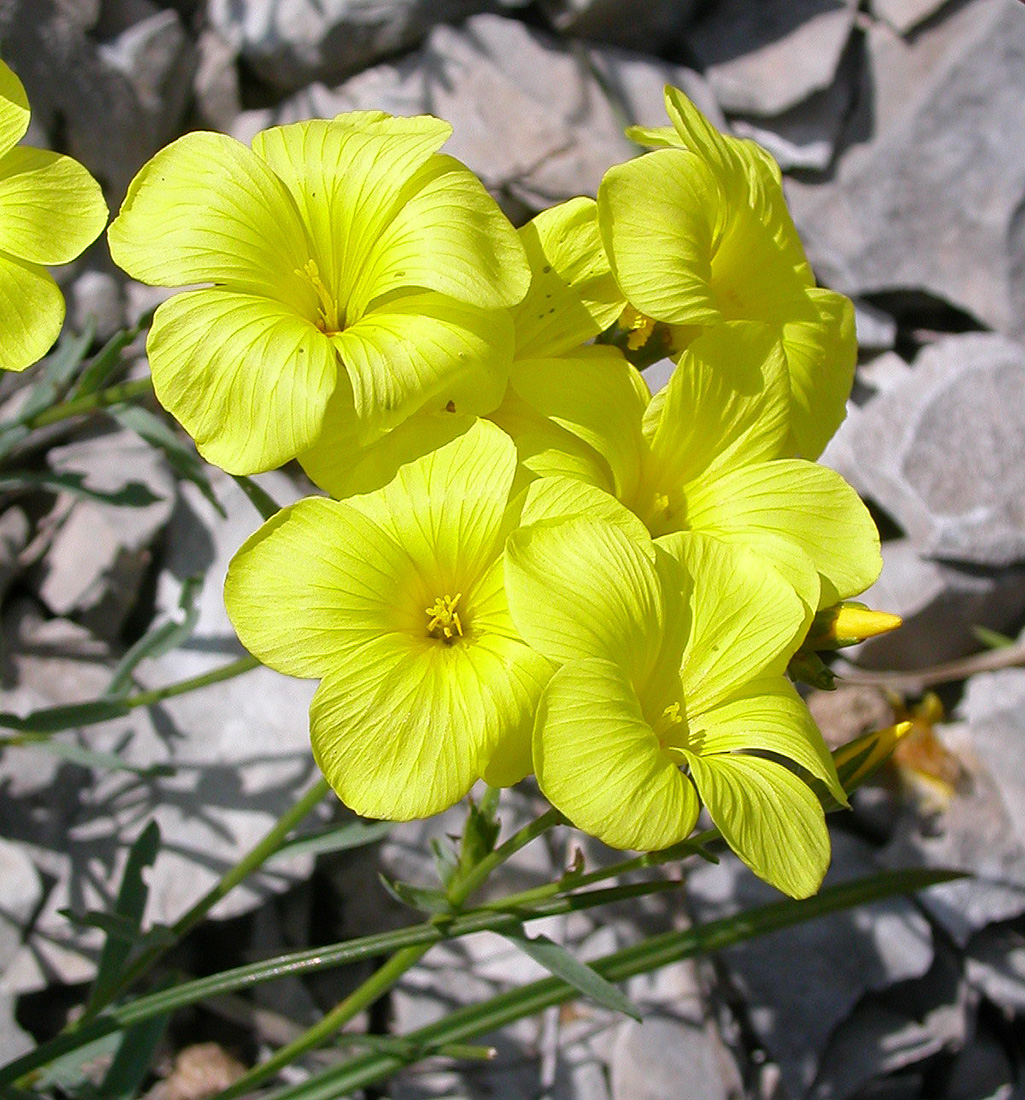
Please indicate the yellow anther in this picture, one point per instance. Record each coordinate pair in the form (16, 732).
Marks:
(444, 622)
(670, 718)
(639, 325)
(328, 308)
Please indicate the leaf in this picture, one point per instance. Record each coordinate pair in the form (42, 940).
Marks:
(181, 456)
(57, 371)
(131, 1064)
(90, 758)
(108, 358)
(445, 861)
(131, 495)
(434, 902)
(992, 639)
(337, 838)
(130, 906)
(55, 719)
(555, 958)
(160, 639)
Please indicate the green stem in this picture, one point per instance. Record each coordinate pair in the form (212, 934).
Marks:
(215, 676)
(250, 862)
(260, 499)
(102, 399)
(459, 890)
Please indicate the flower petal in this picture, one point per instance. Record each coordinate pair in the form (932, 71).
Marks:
(246, 378)
(746, 621)
(768, 715)
(207, 209)
(347, 176)
(821, 355)
(14, 110)
(769, 817)
(792, 512)
(446, 234)
(418, 348)
(50, 207)
(314, 585)
(573, 295)
(659, 216)
(563, 497)
(599, 762)
(726, 405)
(581, 588)
(31, 313)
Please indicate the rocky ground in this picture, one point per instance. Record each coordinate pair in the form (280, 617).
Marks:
(900, 126)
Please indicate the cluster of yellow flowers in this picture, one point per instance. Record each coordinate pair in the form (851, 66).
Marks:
(525, 562)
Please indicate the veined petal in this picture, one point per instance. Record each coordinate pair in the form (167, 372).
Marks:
(31, 313)
(696, 133)
(573, 295)
(791, 512)
(343, 462)
(768, 715)
(593, 395)
(769, 817)
(655, 137)
(659, 218)
(314, 585)
(50, 207)
(448, 508)
(347, 176)
(14, 110)
(246, 377)
(726, 405)
(208, 209)
(404, 730)
(599, 762)
(581, 588)
(821, 355)
(563, 497)
(418, 348)
(447, 234)
(746, 621)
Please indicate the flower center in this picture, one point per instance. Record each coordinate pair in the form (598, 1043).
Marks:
(327, 310)
(444, 621)
(638, 325)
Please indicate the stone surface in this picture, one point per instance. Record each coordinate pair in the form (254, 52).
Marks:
(529, 115)
(97, 298)
(217, 97)
(943, 452)
(14, 536)
(100, 552)
(842, 957)
(995, 965)
(929, 194)
(649, 27)
(117, 101)
(651, 1060)
(294, 43)
(763, 59)
(905, 15)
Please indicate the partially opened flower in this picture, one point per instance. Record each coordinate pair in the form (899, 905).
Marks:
(50, 210)
(671, 692)
(396, 600)
(699, 233)
(702, 456)
(350, 261)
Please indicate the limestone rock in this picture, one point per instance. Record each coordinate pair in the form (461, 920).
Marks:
(905, 15)
(763, 59)
(648, 27)
(651, 1059)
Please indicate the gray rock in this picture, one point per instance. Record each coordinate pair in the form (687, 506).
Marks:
(21, 891)
(978, 831)
(794, 1009)
(929, 194)
(650, 1060)
(100, 552)
(294, 43)
(647, 27)
(765, 59)
(13, 1041)
(119, 100)
(217, 97)
(905, 15)
(530, 116)
(982, 1071)
(97, 297)
(995, 965)
(876, 329)
(943, 453)
(14, 536)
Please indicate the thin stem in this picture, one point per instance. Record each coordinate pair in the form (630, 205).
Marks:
(260, 499)
(215, 676)
(250, 862)
(102, 399)
(459, 890)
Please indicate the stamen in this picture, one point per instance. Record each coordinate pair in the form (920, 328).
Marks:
(328, 308)
(639, 325)
(444, 623)
(666, 724)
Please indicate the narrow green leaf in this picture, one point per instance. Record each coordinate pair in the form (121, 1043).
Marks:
(131, 1064)
(560, 962)
(416, 897)
(70, 716)
(160, 639)
(57, 371)
(260, 499)
(336, 838)
(130, 906)
(131, 495)
(446, 862)
(992, 639)
(90, 758)
(108, 359)
(182, 456)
